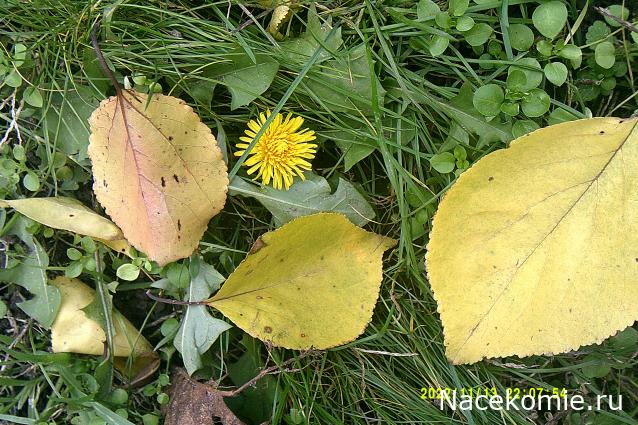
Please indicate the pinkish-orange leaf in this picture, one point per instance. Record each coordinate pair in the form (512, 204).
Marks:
(157, 171)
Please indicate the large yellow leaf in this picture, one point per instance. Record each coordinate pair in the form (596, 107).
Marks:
(67, 214)
(74, 332)
(157, 171)
(535, 249)
(311, 283)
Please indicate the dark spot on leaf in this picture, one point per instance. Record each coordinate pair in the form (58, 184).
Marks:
(490, 178)
(170, 137)
(636, 259)
(185, 132)
(322, 257)
(298, 288)
(163, 182)
(179, 225)
(123, 249)
(303, 335)
(259, 244)
(104, 183)
(175, 178)
(621, 121)
(602, 132)
(71, 215)
(259, 297)
(268, 329)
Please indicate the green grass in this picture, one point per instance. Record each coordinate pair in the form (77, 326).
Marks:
(375, 379)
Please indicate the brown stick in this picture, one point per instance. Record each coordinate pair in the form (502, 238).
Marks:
(605, 12)
(100, 58)
(170, 301)
(262, 373)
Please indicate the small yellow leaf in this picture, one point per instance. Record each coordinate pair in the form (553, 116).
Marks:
(158, 172)
(119, 245)
(282, 12)
(73, 332)
(66, 214)
(535, 249)
(312, 283)
(279, 16)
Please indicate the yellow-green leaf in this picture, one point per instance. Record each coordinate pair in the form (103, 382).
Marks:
(535, 249)
(158, 172)
(311, 283)
(119, 245)
(74, 332)
(66, 214)
(280, 14)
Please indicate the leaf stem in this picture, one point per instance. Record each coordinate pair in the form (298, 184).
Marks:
(605, 12)
(170, 301)
(100, 58)
(266, 371)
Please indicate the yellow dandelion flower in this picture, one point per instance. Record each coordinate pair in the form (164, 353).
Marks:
(282, 151)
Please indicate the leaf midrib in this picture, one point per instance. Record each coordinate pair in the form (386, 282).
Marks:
(551, 231)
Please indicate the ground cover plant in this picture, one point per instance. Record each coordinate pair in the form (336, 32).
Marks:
(386, 104)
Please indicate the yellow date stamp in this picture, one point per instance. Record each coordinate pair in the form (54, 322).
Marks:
(436, 393)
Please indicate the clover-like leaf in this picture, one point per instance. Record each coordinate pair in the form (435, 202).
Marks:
(556, 73)
(488, 99)
(550, 18)
(605, 54)
(521, 37)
